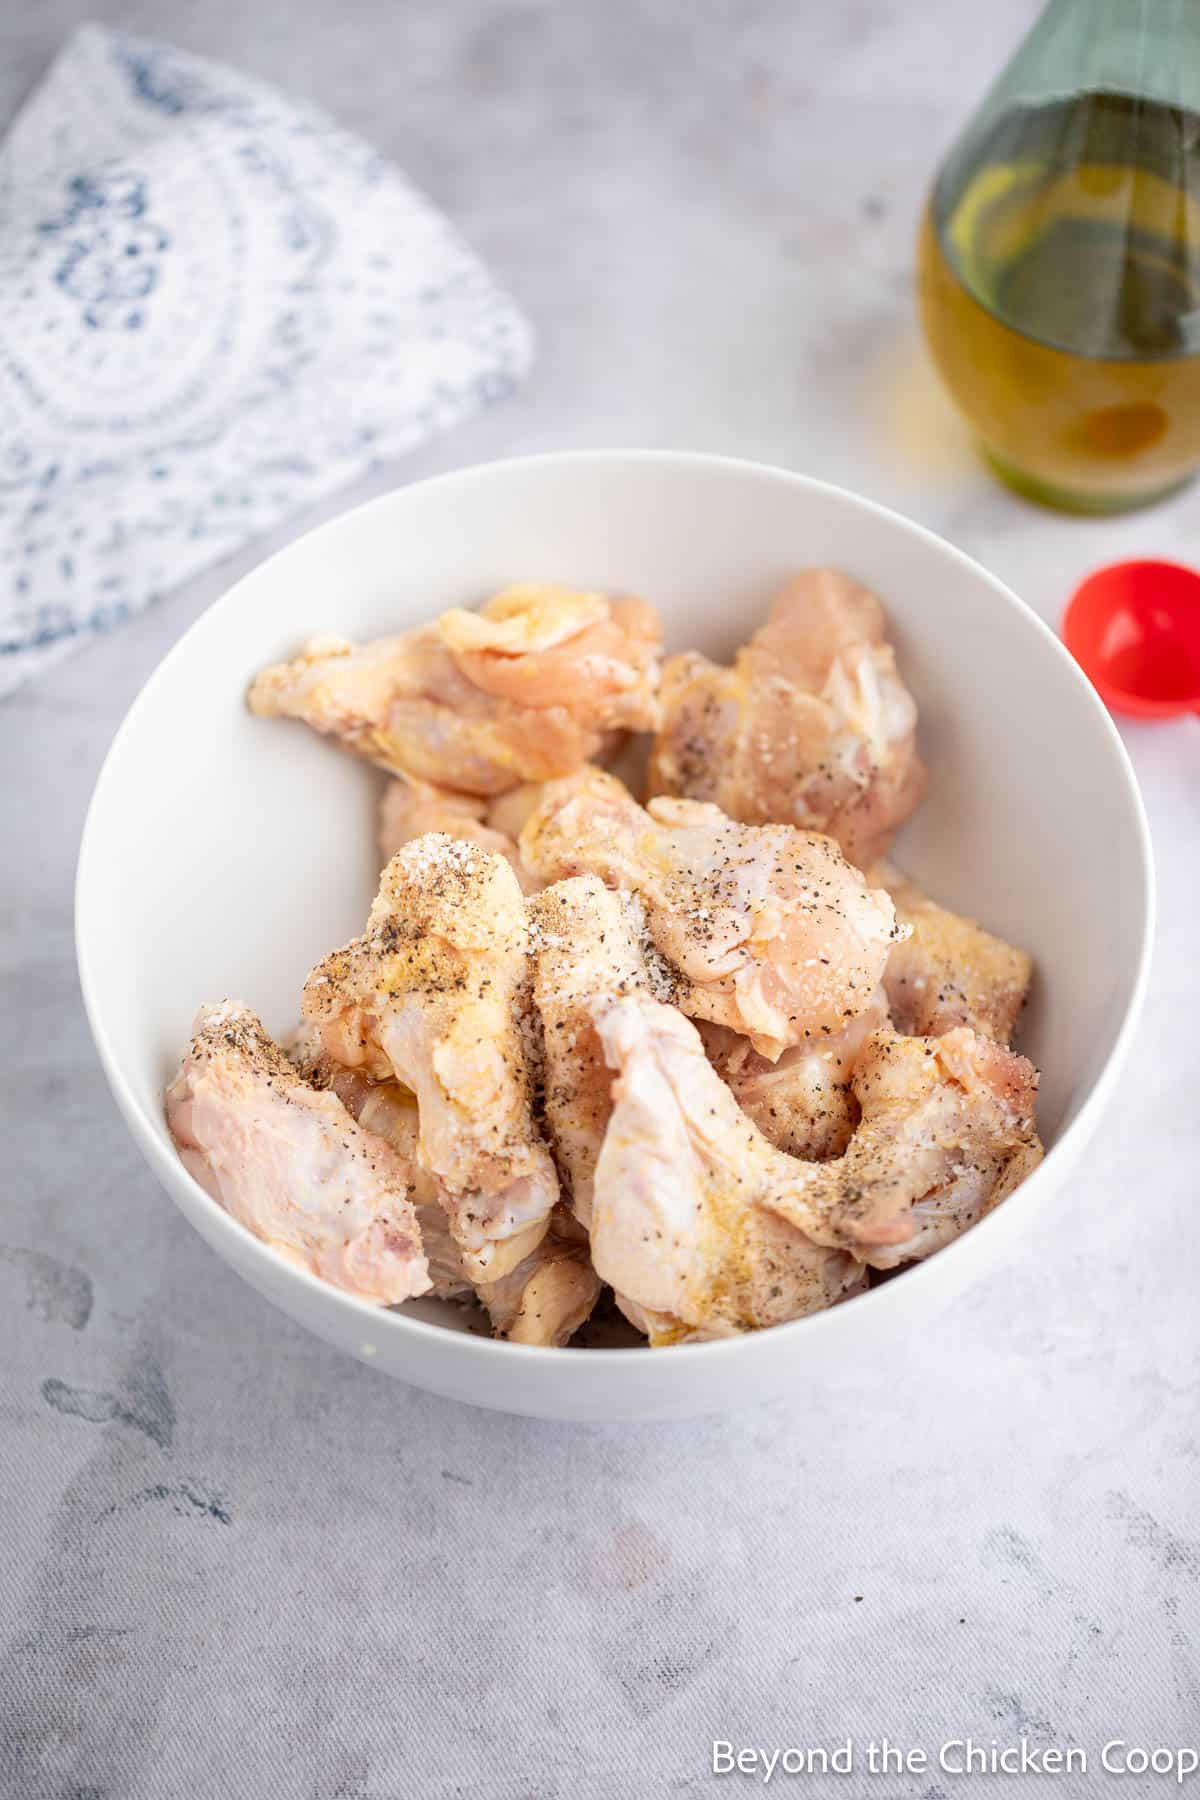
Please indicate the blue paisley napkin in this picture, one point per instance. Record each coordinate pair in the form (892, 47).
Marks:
(215, 306)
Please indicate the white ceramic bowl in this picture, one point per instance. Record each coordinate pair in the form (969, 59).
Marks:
(223, 854)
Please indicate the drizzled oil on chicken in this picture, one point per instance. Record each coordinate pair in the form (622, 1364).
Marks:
(812, 725)
(291, 1164)
(409, 808)
(950, 971)
(771, 931)
(431, 996)
(804, 1103)
(527, 688)
(946, 1133)
(587, 942)
(684, 1225)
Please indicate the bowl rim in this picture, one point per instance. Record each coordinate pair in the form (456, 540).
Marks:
(382, 1320)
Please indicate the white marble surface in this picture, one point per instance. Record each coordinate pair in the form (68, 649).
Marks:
(234, 1563)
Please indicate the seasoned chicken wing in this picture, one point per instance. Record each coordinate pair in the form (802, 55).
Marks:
(812, 726)
(389, 1111)
(947, 1132)
(550, 1294)
(587, 942)
(805, 1102)
(771, 931)
(950, 971)
(291, 1164)
(410, 808)
(527, 688)
(684, 1224)
(432, 996)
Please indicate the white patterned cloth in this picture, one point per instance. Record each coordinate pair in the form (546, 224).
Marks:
(215, 306)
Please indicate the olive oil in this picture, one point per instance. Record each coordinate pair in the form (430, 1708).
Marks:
(1059, 274)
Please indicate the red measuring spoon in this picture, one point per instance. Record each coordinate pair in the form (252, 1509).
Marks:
(1134, 629)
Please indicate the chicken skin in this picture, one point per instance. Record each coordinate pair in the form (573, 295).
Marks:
(507, 813)
(587, 942)
(410, 808)
(551, 1293)
(947, 1132)
(812, 726)
(950, 971)
(527, 688)
(771, 931)
(388, 1111)
(684, 1221)
(432, 996)
(804, 1103)
(291, 1165)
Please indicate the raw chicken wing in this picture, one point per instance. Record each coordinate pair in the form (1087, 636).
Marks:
(772, 932)
(389, 1111)
(947, 1132)
(551, 1291)
(549, 1295)
(812, 725)
(410, 808)
(950, 971)
(587, 942)
(527, 688)
(290, 1163)
(684, 1224)
(507, 813)
(432, 996)
(804, 1103)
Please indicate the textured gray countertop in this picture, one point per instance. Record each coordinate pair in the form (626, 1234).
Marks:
(235, 1563)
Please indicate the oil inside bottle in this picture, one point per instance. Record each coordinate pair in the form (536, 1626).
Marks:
(1060, 292)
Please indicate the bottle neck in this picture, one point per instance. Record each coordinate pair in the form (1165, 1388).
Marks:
(1148, 48)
